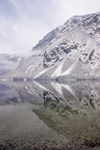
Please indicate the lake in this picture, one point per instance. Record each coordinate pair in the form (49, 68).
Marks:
(42, 115)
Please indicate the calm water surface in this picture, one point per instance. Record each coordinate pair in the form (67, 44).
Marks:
(49, 116)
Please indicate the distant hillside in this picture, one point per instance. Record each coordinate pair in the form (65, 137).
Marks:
(9, 63)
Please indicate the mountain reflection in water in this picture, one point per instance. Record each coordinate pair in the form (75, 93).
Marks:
(70, 110)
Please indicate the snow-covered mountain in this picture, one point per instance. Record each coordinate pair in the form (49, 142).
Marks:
(9, 62)
(71, 50)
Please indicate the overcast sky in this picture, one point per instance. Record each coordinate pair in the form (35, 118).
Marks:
(24, 22)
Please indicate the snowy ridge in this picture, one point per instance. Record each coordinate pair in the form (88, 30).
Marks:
(70, 69)
(58, 71)
(40, 73)
(29, 68)
(77, 43)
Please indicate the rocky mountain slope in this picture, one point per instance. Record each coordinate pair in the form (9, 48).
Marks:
(71, 51)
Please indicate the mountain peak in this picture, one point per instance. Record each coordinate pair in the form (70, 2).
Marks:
(75, 47)
(92, 18)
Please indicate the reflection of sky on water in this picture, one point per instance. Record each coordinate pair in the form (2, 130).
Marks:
(7, 95)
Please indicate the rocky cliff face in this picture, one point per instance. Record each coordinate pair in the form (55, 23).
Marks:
(72, 51)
